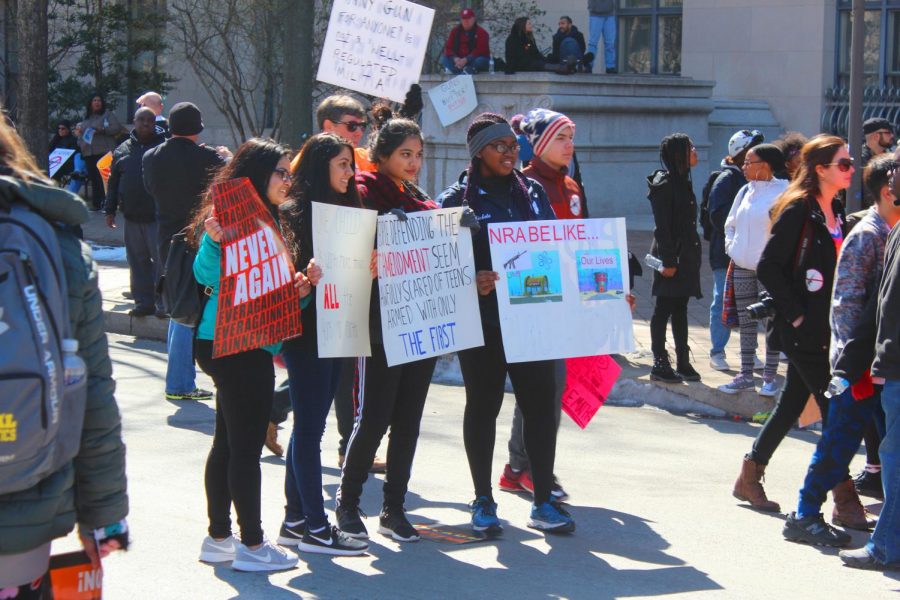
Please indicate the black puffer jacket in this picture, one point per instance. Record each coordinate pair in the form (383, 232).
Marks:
(803, 290)
(675, 238)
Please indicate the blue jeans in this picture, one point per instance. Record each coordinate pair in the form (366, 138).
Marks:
(607, 27)
(569, 48)
(718, 333)
(841, 436)
(480, 63)
(180, 372)
(313, 382)
(885, 542)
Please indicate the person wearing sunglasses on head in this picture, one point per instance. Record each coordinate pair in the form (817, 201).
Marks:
(496, 192)
(797, 269)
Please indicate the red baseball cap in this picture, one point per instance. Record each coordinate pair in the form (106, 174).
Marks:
(467, 13)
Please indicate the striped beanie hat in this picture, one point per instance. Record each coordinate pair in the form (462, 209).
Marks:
(541, 126)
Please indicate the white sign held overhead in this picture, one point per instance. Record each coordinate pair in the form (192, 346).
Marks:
(343, 240)
(376, 47)
(562, 288)
(454, 99)
(426, 280)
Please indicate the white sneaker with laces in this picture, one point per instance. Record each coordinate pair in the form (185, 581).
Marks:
(213, 551)
(267, 557)
(769, 389)
(718, 362)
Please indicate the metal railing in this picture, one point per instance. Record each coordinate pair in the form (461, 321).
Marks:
(877, 102)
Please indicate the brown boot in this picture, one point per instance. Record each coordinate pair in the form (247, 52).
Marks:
(272, 440)
(848, 509)
(749, 489)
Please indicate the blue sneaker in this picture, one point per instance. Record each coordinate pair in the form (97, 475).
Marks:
(551, 517)
(484, 515)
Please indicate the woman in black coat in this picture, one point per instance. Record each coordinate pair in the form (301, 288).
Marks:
(522, 53)
(677, 245)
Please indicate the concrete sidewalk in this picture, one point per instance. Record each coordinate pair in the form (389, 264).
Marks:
(634, 385)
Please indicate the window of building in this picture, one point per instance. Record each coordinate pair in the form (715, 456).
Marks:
(649, 36)
(881, 50)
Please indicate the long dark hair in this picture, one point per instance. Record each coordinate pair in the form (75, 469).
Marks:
(675, 155)
(518, 31)
(88, 112)
(805, 185)
(311, 170)
(256, 160)
(473, 181)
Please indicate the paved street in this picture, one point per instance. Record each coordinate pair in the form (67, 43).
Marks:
(651, 493)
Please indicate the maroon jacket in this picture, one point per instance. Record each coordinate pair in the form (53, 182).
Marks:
(562, 190)
(459, 38)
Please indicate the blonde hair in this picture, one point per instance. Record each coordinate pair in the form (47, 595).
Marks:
(16, 157)
(820, 150)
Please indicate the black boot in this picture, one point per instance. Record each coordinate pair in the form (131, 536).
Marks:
(662, 370)
(684, 367)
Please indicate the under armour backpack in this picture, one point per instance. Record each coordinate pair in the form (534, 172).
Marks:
(40, 416)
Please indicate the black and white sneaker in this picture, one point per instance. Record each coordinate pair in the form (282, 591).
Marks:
(393, 523)
(350, 523)
(290, 535)
(813, 530)
(333, 541)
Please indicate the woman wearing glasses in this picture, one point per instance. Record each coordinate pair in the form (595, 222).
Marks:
(746, 233)
(244, 381)
(387, 396)
(797, 269)
(497, 192)
(322, 172)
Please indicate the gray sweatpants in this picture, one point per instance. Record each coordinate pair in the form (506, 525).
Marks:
(142, 251)
(518, 458)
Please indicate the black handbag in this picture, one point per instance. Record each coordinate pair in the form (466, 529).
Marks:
(182, 297)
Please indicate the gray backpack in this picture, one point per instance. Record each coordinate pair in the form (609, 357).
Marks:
(40, 416)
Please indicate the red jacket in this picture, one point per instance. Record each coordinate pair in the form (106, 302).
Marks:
(482, 46)
(563, 191)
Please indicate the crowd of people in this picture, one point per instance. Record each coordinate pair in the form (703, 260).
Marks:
(782, 251)
(468, 50)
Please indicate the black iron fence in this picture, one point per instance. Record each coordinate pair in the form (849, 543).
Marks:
(877, 102)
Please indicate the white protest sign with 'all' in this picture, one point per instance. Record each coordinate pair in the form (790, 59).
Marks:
(562, 288)
(454, 99)
(343, 239)
(376, 47)
(426, 280)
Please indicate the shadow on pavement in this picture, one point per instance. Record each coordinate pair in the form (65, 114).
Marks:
(193, 416)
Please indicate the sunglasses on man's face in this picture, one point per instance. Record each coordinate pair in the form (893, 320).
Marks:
(843, 165)
(353, 125)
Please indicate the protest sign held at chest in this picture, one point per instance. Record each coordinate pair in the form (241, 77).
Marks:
(258, 265)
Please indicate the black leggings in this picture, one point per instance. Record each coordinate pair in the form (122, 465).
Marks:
(388, 397)
(807, 373)
(666, 307)
(244, 386)
(484, 372)
(98, 195)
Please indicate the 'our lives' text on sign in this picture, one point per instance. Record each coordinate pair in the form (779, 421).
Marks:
(376, 47)
(426, 280)
(258, 303)
(562, 288)
(342, 242)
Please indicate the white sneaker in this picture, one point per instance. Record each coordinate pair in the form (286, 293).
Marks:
(758, 365)
(718, 362)
(769, 389)
(267, 557)
(215, 552)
